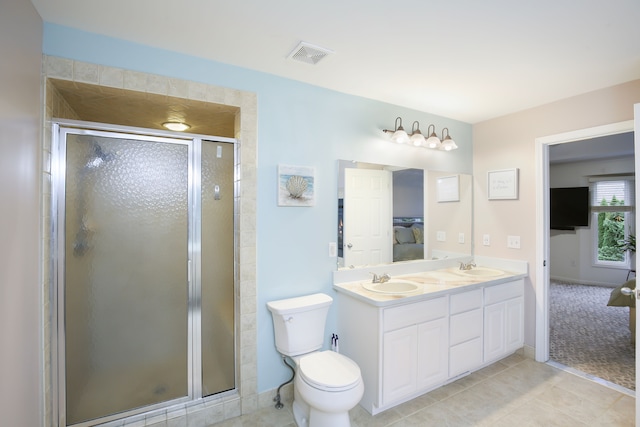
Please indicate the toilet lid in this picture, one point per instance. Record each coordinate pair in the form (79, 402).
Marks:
(329, 370)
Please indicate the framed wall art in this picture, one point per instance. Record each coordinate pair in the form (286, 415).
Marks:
(296, 186)
(502, 184)
(448, 189)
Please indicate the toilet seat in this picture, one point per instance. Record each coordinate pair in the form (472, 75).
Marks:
(329, 371)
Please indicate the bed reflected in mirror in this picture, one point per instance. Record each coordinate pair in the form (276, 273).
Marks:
(390, 214)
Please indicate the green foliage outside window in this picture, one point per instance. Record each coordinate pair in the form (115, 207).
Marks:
(611, 228)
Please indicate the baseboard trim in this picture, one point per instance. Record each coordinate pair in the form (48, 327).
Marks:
(582, 282)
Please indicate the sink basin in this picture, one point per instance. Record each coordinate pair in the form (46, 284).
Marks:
(393, 286)
(481, 272)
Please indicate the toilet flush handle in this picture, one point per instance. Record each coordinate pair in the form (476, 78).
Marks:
(289, 320)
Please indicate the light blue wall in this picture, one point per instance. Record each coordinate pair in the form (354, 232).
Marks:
(298, 124)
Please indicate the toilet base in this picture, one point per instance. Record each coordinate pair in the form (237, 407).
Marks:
(300, 413)
(322, 419)
(305, 416)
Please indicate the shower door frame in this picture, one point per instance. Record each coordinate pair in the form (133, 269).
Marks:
(60, 129)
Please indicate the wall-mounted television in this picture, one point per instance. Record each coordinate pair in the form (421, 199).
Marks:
(569, 208)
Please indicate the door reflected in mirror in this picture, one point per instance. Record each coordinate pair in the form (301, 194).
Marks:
(390, 214)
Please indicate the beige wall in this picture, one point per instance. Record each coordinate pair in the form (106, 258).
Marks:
(509, 142)
(20, 297)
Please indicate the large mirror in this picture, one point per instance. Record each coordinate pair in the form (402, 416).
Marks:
(392, 214)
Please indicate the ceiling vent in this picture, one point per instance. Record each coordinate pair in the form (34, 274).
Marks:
(311, 54)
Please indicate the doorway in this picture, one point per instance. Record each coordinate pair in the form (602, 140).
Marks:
(144, 261)
(543, 258)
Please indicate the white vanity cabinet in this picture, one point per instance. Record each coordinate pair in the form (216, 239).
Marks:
(503, 319)
(409, 346)
(414, 348)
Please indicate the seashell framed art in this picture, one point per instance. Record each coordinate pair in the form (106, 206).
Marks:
(296, 186)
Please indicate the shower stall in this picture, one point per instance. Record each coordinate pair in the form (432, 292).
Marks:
(144, 270)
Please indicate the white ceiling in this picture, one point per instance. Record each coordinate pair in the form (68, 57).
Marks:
(465, 59)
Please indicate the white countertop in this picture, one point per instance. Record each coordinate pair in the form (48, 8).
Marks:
(431, 283)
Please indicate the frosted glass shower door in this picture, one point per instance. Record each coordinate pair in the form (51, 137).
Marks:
(126, 290)
(218, 199)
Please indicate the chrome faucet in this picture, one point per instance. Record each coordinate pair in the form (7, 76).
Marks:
(468, 266)
(380, 279)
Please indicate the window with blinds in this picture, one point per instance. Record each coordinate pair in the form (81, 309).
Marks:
(607, 196)
(612, 204)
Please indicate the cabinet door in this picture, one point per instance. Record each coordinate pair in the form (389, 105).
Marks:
(494, 331)
(433, 351)
(399, 363)
(514, 331)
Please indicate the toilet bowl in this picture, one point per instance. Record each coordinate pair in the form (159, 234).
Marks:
(327, 384)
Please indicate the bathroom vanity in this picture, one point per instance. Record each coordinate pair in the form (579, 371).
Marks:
(415, 340)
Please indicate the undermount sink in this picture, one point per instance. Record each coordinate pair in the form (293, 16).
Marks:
(393, 286)
(481, 272)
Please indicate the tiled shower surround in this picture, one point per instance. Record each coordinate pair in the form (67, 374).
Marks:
(201, 412)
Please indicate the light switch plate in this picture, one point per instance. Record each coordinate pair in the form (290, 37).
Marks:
(460, 237)
(486, 240)
(441, 236)
(513, 242)
(333, 249)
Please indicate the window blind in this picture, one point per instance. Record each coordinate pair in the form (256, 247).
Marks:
(621, 191)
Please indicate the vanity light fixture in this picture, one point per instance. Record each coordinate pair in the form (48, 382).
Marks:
(433, 141)
(399, 135)
(447, 144)
(417, 138)
(176, 126)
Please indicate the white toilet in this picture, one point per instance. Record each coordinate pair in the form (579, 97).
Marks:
(327, 384)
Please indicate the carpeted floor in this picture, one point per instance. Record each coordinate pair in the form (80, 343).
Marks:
(587, 335)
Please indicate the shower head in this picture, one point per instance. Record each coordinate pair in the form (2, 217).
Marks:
(98, 157)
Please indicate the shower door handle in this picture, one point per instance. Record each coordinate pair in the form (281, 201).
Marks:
(216, 192)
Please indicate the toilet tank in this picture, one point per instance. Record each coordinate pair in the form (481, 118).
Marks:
(299, 322)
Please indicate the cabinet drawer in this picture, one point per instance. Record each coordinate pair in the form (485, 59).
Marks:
(503, 292)
(465, 357)
(466, 301)
(413, 314)
(465, 326)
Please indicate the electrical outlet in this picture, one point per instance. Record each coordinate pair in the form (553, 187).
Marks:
(513, 242)
(441, 236)
(460, 237)
(486, 240)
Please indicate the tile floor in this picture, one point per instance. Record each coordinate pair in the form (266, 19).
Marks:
(516, 391)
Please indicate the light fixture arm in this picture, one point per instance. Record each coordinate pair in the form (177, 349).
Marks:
(398, 126)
